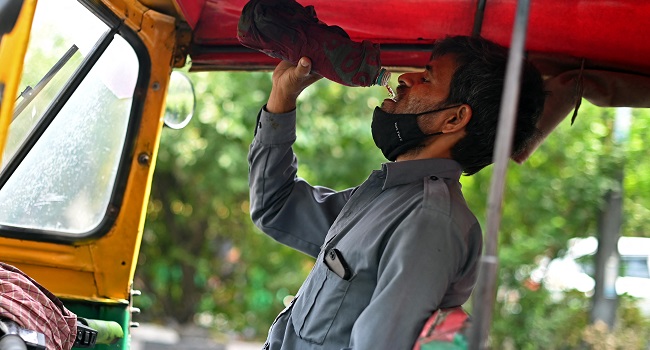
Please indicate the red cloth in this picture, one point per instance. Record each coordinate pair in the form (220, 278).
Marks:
(33, 307)
(443, 328)
(285, 29)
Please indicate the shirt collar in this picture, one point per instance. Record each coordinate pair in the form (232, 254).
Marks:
(400, 173)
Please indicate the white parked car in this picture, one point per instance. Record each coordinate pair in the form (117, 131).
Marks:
(574, 270)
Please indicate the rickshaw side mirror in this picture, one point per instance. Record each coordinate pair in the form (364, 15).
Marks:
(181, 101)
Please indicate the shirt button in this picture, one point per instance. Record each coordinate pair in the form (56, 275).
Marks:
(434, 178)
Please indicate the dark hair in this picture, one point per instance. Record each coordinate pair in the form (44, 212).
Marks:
(478, 81)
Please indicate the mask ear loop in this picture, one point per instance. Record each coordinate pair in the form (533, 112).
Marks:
(579, 91)
(438, 110)
(433, 111)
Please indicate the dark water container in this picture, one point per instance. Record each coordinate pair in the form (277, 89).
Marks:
(286, 30)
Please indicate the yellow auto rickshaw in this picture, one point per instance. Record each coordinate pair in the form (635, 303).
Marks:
(86, 87)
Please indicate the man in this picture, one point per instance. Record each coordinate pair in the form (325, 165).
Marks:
(404, 243)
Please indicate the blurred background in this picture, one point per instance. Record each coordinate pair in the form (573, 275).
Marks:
(205, 270)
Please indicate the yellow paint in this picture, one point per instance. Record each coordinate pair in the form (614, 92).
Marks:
(12, 53)
(103, 269)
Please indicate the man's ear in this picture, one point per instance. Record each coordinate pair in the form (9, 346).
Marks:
(458, 120)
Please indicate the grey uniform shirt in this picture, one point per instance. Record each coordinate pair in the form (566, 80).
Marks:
(406, 234)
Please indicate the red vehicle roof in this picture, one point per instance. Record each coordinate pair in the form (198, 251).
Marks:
(604, 32)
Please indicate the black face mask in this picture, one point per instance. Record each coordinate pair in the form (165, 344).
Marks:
(395, 134)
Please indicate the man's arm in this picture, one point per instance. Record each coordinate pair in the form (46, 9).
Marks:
(423, 260)
(284, 206)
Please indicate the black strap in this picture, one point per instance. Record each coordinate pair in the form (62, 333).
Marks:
(478, 18)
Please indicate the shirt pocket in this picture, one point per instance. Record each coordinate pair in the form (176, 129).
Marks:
(316, 308)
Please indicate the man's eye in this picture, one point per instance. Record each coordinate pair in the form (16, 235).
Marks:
(425, 80)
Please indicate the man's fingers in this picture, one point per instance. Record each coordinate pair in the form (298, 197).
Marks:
(303, 75)
(289, 81)
(304, 67)
(303, 70)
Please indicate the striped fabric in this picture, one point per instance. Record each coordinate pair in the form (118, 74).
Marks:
(33, 307)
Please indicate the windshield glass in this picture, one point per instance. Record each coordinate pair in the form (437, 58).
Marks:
(65, 183)
(55, 51)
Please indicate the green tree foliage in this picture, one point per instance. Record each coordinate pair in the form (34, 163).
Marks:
(557, 194)
(203, 261)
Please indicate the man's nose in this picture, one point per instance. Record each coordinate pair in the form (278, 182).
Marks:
(408, 79)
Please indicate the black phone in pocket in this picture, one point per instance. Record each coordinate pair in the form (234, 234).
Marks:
(334, 260)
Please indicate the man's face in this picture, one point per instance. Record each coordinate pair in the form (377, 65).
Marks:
(423, 91)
